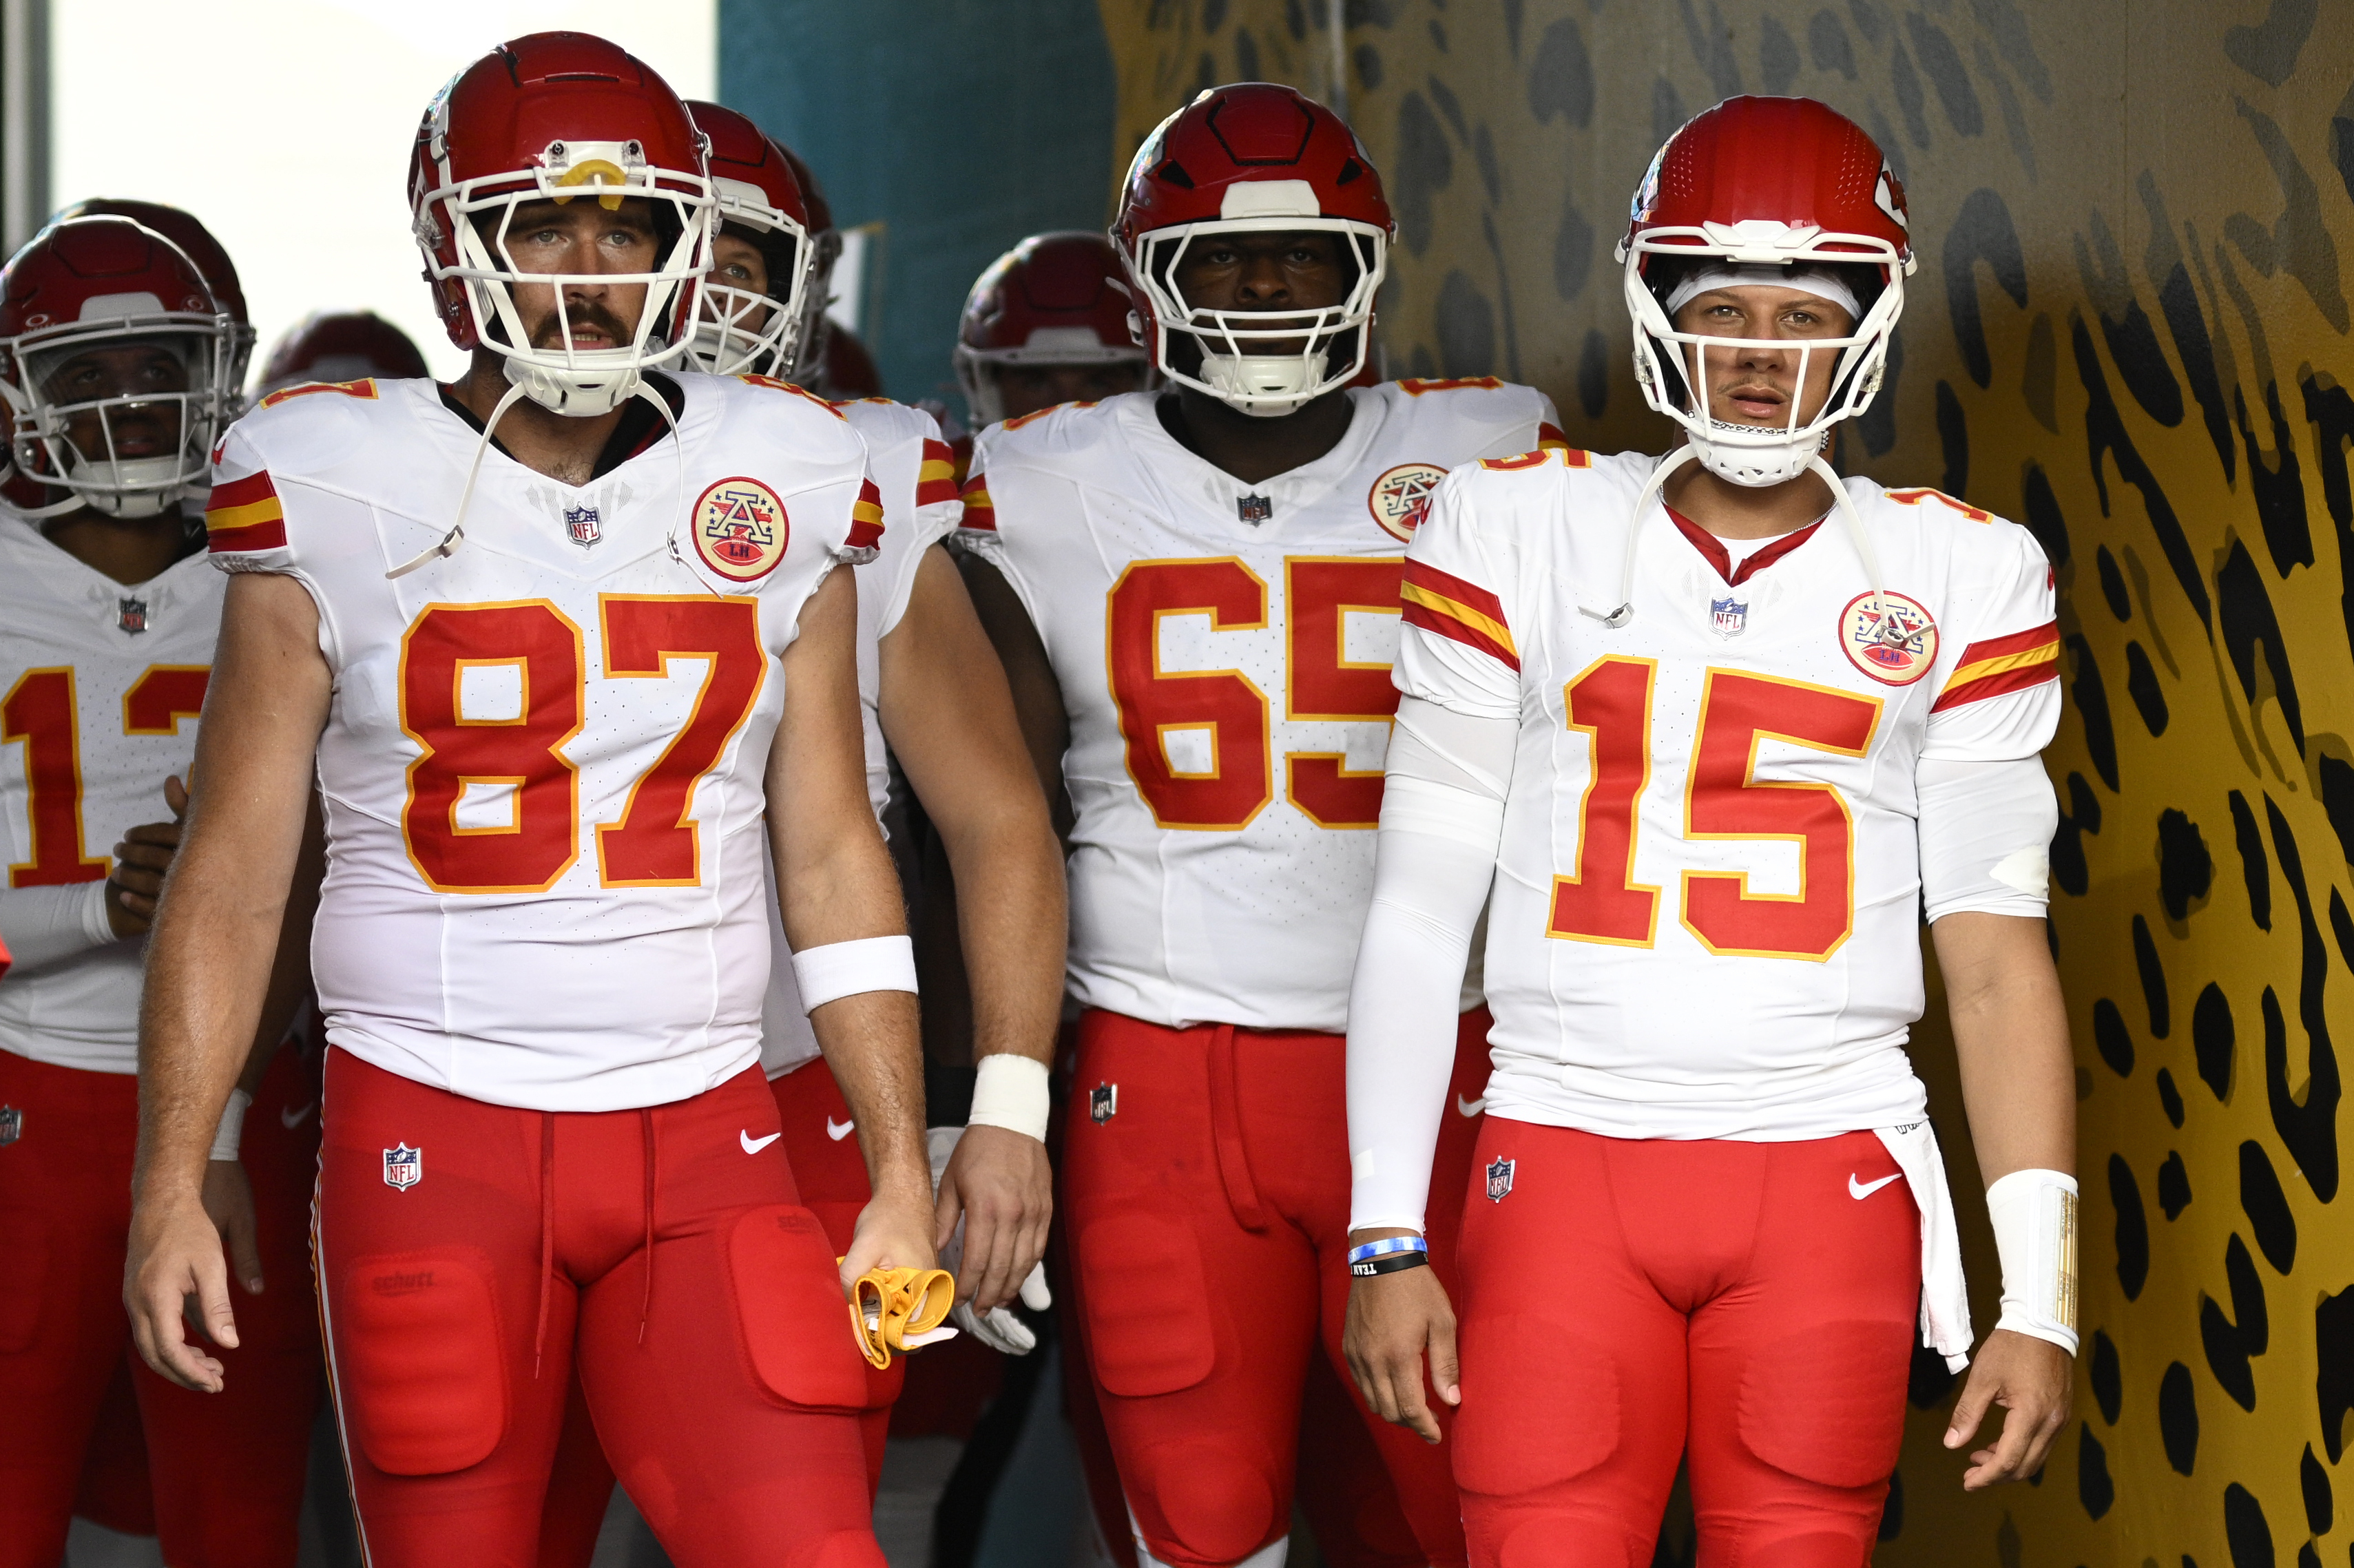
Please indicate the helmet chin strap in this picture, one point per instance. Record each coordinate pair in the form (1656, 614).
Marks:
(1286, 378)
(1689, 452)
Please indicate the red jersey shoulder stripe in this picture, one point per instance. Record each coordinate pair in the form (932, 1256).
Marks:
(365, 388)
(244, 515)
(865, 518)
(2001, 664)
(979, 511)
(936, 479)
(1449, 607)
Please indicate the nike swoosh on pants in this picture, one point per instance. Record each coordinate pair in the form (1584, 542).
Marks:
(838, 1130)
(754, 1145)
(1856, 1189)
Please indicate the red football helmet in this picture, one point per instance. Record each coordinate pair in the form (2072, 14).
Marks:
(1055, 299)
(554, 116)
(1253, 157)
(340, 345)
(123, 432)
(812, 355)
(181, 228)
(740, 330)
(1766, 190)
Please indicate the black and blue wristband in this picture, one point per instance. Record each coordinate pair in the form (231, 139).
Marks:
(1393, 1255)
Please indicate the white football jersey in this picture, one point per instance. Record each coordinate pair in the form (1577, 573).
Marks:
(1706, 917)
(103, 685)
(543, 760)
(916, 474)
(1223, 651)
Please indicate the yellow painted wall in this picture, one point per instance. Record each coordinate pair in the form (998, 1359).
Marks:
(2134, 221)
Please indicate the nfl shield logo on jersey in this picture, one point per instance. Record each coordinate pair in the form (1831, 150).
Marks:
(1103, 1102)
(581, 524)
(403, 1167)
(131, 615)
(12, 1125)
(1499, 1179)
(1728, 615)
(1256, 509)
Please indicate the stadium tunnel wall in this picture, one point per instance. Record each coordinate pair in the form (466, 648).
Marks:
(2130, 332)
(954, 127)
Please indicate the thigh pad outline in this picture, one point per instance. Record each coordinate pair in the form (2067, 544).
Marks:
(419, 1344)
(1149, 1316)
(1827, 1404)
(790, 1312)
(1540, 1405)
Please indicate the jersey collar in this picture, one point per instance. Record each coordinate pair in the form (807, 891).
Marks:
(1714, 550)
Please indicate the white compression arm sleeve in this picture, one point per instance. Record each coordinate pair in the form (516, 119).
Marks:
(1986, 837)
(42, 925)
(1442, 819)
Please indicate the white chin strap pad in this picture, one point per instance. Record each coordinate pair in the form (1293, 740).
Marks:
(1755, 464)
(1270, 386)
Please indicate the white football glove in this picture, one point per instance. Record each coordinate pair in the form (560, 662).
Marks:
(997, 1328)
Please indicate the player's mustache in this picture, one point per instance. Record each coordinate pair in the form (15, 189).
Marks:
(582, 313)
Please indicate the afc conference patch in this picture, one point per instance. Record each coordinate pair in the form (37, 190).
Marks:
(1401, 497)
(740, 529)
(1889, 637)
(1499, 1179)
(403, 1167)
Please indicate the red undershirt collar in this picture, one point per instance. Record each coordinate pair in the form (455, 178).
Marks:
(1718, 556)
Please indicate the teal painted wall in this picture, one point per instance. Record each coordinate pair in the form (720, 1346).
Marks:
(960, 125)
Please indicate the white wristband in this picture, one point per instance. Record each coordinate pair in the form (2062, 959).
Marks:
(232, 1131)
(1010, 1091)
(2034, 1214)
(847, 969)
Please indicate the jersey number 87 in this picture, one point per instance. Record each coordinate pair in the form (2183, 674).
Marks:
(470, 764)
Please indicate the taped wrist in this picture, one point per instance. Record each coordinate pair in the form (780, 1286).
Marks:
(1010, 1091)
(230, 1134)
(848, 968)
(2034, 1214)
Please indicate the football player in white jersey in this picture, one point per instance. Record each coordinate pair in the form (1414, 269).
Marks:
(1718, 726)
(552, 694)
(116, 364)
(931, 690)
(1160, 572)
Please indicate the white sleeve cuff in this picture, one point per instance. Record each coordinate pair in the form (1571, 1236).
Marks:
(848, 968)
(230, 1134)
(43, 925)
(2034, 1215)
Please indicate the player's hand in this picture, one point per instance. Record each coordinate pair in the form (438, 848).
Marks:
(999, 1183)
(228, 1200)
(2033, 1382)
(1393, 1319)
(140, 862)
(137, 880)
(176, 1254)
(895, 1231)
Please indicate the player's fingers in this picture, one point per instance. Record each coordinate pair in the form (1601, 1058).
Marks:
(165, 836)
(164, 1344)
(985, 1238)
(213, 1302)
(175, 794)
(947, 1208)
(1446, 1369)
(1968, 1411)
(244, 1248)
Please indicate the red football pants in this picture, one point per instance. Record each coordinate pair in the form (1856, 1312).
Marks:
(1629, 1302)
(662, 1251)
(65, 1217)
(830, 1175)
(1209, 1216)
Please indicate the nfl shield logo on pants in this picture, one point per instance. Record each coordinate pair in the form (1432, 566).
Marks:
(1499, 1179)
(12, 1125)
(405, 1167)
